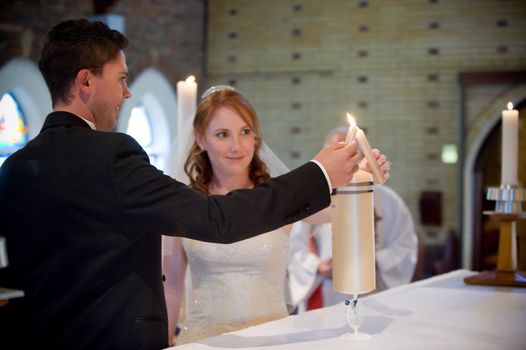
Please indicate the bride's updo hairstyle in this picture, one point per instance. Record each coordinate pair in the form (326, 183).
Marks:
(197, 165)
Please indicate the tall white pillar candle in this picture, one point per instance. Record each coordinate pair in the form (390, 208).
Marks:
(186, 99)
(353, 254)
(510, 145)
(186, 106)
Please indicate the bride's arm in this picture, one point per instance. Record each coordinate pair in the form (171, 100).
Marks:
(174, 269)
(321, 217)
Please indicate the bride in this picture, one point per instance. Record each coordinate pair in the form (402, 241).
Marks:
(237, 285)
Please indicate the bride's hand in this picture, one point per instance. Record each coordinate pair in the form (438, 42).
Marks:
(382, 162)
(325, 268)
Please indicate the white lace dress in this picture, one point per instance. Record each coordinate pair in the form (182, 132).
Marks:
(234, 286)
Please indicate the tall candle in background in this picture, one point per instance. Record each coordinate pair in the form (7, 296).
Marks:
(186, 98)
(186, 106)
(510, 145)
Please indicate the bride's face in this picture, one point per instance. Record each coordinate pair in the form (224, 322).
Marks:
(230, 143)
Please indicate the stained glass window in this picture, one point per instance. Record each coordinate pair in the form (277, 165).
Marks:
(13, 129)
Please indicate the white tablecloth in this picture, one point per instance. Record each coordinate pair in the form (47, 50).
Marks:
(438, 313)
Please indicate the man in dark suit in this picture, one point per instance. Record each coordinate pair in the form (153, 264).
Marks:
(83, 211)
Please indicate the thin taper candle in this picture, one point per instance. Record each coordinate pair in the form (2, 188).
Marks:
(367, 152)
(351, 133)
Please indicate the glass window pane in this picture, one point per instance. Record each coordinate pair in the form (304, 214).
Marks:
(139, 126)
(13, 129)
(140, 129)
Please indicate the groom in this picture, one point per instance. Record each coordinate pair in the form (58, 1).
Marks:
(83, 211)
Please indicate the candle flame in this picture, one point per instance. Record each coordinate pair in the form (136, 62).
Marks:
(510, 106)
(351, 120)
(190, 79)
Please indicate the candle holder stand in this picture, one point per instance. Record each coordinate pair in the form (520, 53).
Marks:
(508, 209)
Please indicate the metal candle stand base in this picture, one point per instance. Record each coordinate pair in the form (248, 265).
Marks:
(508, 199)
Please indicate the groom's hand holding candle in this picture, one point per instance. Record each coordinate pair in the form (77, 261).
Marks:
(374, 162)
(340, 161)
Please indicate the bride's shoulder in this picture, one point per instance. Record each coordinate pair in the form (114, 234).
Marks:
(285, 230)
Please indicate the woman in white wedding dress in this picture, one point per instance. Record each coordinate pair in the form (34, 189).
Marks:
(242, 284)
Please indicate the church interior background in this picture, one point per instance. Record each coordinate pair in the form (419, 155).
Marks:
(427, 79)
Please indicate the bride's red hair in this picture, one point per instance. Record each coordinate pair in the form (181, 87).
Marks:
(197, 165)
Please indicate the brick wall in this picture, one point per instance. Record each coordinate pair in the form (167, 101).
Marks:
(393, 64)
(305, 63)
(165, 34)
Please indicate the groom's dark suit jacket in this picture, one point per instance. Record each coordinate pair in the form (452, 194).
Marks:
(83, 211)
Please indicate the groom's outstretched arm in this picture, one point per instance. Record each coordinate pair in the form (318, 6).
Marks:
(150, 199)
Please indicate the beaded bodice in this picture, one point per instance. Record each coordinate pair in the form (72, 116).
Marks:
(235, 285)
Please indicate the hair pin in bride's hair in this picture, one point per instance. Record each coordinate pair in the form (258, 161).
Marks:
(217, 88)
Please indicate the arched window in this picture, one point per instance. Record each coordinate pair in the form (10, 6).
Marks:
(139, 127)
(13, 128)
(151, 107)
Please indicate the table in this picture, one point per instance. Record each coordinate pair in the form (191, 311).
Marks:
(437, 313)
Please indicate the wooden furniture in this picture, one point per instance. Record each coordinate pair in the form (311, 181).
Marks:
(508, 209)
(506, 273)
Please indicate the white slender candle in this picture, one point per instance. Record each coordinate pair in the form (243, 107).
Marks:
(510, 145)
(353, 253)
(186, 98)
(351, 133)
(186, 106)
(367, 152)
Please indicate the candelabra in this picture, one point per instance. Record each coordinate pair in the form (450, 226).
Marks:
(508, 209)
